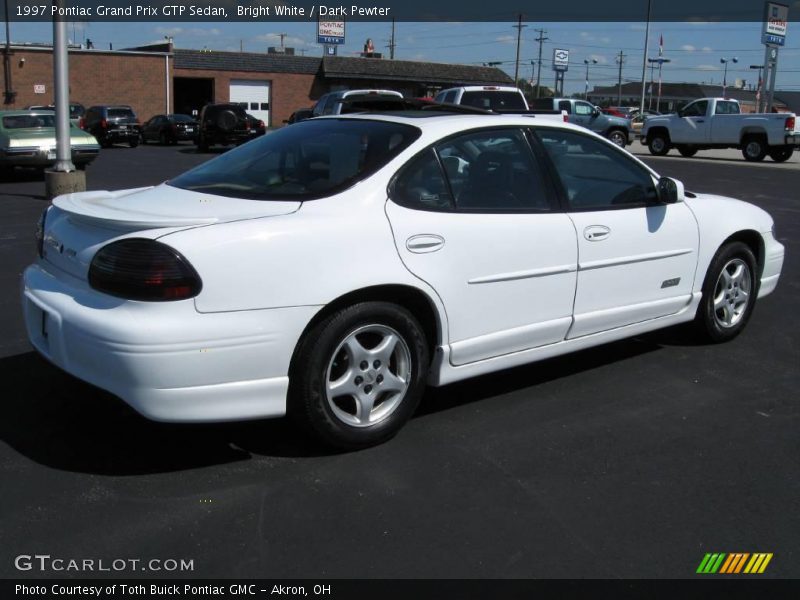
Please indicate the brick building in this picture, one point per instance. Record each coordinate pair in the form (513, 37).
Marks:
(157, 79)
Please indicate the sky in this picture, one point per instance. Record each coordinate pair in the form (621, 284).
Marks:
(694, 49)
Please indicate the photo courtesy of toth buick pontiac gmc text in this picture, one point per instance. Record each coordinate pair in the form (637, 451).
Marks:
(332, 269)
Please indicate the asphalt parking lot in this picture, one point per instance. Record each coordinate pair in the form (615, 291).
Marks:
(629, 460)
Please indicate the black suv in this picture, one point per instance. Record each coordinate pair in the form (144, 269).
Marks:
(223, 124)
(112, 124)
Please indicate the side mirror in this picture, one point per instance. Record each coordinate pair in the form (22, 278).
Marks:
(670, 191)
(595, 111)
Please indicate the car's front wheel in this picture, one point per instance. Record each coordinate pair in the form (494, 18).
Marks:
(618, 137)
(358, 374)
(658, 144)
(729, 293)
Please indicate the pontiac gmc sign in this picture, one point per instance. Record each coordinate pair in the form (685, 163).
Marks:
(330, 32)
(775, 20)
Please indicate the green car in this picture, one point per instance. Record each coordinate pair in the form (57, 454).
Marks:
(28, 139)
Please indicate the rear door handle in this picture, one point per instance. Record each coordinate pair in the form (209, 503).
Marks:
(424, 243)
(596, 233)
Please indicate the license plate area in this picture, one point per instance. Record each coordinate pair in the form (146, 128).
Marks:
(51, 155)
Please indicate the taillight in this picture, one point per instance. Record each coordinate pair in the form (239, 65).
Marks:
(174, 128)
(142, 269)
(247, 125)
(103, 123)
(261, 124)
(565, 116)
(82, 123)
(789, 124)
(40, 225)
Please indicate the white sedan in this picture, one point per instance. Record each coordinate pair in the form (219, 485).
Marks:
(332, 269)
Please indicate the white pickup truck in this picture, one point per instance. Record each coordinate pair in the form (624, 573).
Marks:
(719, 123)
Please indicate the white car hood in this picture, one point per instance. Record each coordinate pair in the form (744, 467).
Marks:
(164, 206)
(720, 212)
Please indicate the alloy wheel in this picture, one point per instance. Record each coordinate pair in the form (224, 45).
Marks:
(732, 293)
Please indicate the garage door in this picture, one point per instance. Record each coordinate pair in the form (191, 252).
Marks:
(253, 95)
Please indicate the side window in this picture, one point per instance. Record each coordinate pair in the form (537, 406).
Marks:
(494, 171)
(421, 185)
(583, 109)
(565, 105)
(726, 108)
(595, 175)
(330, 104)
(450, 97)
(320, 105)
(696, 109)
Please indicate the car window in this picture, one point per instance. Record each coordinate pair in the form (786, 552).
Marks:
(583, 108)
(494, 100)
(595, 175)
(330, 104)
(696, 109)
(28, 121)
(312, 159)
(421, 184)
(450, 97)
(114, 113)
(565, 105)
(493, 171)
(726, 108)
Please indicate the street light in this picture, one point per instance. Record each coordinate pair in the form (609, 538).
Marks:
(588, 62)
(725, 62)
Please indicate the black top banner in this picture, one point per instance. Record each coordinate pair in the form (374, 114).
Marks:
(386, 10)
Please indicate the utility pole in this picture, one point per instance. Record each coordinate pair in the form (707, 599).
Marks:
(541, 40)
(518, 27)
(620, 60)
(391, 43)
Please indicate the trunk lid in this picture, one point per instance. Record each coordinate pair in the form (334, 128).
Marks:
(80, 224)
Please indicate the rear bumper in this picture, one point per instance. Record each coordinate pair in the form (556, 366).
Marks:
(36, 157)
(792, 139)
(166, 360)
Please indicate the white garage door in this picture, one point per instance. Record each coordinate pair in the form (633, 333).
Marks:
(253, 95)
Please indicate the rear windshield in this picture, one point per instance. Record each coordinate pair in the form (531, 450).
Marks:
(120, 112)
(29, 121)
(494, 100)
(181, 118)
(76, 110)
(308, 160)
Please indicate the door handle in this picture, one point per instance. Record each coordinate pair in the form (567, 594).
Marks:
(424, 243)
(596, 233)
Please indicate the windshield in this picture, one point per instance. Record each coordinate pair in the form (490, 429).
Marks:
(494, 100)
(181, 118)
(28, 121)
(308, 160)
(114, 113)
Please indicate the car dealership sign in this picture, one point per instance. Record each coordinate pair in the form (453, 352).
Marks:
(560, 59)
(776, 18)
(330, 32)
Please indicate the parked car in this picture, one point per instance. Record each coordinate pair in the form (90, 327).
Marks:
(257, 126)
(346, 101)
(300, 115)
(489, 97)
(585, 114)
(76, 111)
(169, 129)
(223, 124)
(28, 139)
(334, 268)
(718, 123)
(112, 124)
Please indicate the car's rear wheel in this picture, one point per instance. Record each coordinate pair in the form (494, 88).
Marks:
(133, 142)
(202, 143)
(687, 151)
(359, 374)
(754, 148)
(658, 144)
(729, 293)
(781, 153)
(163, 139)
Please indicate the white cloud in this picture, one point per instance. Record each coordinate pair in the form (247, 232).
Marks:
(706, 49)
(605, 40)
(195, 32)
(506, 39)
(707, 68)
(688, 48)
(637, 27)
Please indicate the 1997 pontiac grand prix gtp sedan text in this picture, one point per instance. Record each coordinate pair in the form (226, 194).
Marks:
(333, 268)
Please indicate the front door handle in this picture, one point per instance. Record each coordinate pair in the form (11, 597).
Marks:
(596, 233)
(424, 243)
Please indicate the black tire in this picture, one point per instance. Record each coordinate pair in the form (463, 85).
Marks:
(202, 144)
(163, 139)
(708, 321)
(754, 148)
(618, 137)
(687, 151)
(781, 153)
(105, 143)
(321, 351)
(658, 144)
(227, 120)
(133, 142)
(142, 139)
